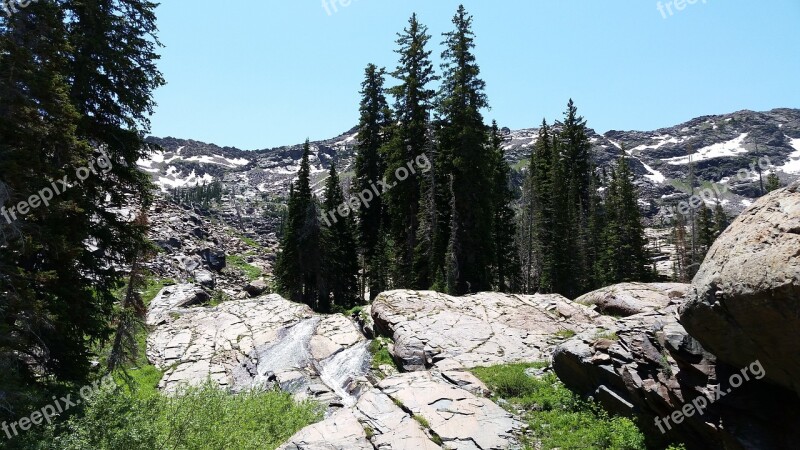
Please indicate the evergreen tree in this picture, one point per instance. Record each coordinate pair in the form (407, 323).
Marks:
(575, 151)
(298, 268)
(683, 259)
(721, 219)
(506, 265)
(773, 182)
(340, 259)
(706, 230)
(373, 130)
(462, 139)
(413, 101)
(624, 257)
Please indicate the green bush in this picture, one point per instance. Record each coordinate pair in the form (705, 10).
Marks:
(196, 418)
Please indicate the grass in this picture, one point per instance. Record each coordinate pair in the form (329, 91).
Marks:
(250, 271)
(379, 348)
(198, 418)
(558, 418)
(565, 334)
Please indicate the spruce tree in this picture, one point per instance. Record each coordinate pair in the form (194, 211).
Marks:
(413, 103)
(373, 130)
(624, 256)
(773, 182)
(506, 266)
(338, 248)
(462, 139)
(298, 268)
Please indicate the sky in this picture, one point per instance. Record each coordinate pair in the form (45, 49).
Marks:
(257, 74)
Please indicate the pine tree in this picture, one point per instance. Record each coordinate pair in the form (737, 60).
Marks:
(413, 101)
(683, 259)
(298, 268)
(462, 139)
(373, 131)
(624, 257)
(773, 182)
(706, 231)
(339, 256)
(575, 151)
(721, 219)
(506, 266)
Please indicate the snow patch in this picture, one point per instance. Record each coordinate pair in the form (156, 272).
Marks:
(719, 150)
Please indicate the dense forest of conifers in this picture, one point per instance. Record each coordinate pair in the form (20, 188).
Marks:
(76, 85)
(458, 228)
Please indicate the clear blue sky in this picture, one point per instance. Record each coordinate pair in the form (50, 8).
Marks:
(263, 73)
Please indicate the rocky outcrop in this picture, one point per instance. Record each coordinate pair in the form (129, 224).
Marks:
(647, 366)
(432, 330)
(745, 301)
(259, 342)
(172, 299)
(627, 299)
(421, 410)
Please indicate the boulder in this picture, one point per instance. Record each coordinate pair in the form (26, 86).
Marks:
(262, 342)
(256, 287)
(627, 299)
(205, 278)
(745, 301)
(647, 366)
(215, 259)
(432, 330)
(171, 299)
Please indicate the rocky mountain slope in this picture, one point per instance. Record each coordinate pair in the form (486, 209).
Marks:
(718, 147)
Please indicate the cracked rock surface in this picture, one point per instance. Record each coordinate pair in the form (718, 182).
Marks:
(433, 330)
(409, 411)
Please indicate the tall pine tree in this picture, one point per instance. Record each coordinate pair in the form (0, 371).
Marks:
(338, 249)
(413, 103)
(462, 139)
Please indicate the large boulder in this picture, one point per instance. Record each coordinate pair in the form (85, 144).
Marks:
(433, 330)
(627, 299)
(745, 301)
(262, 342)
(647, 366)
(172, 299)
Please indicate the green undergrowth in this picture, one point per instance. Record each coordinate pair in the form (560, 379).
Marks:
(197, 418)
(250, 271)
(379, 348)
(558, 418)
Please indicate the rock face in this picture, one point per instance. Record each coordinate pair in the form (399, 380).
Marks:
(172, 299)
(432, 330)
(408, 411)
(745, 301)
(648, 366)
(627, 299)
(258, 342)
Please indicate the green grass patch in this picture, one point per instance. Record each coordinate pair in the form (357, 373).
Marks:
(197, 418)
(565, 334)
(557, 417)
(611, 336)
(250, 271)
(379, 348)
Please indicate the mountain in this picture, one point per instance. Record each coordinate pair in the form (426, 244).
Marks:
(724, 152)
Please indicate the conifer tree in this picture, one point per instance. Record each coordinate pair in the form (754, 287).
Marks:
(575, 151)
(413, 103)
(706, 230)
(462, 139)
(298, 268)
(373, 132)
(338, 247)
(506, 266)
(773, 182)
(624, 257)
